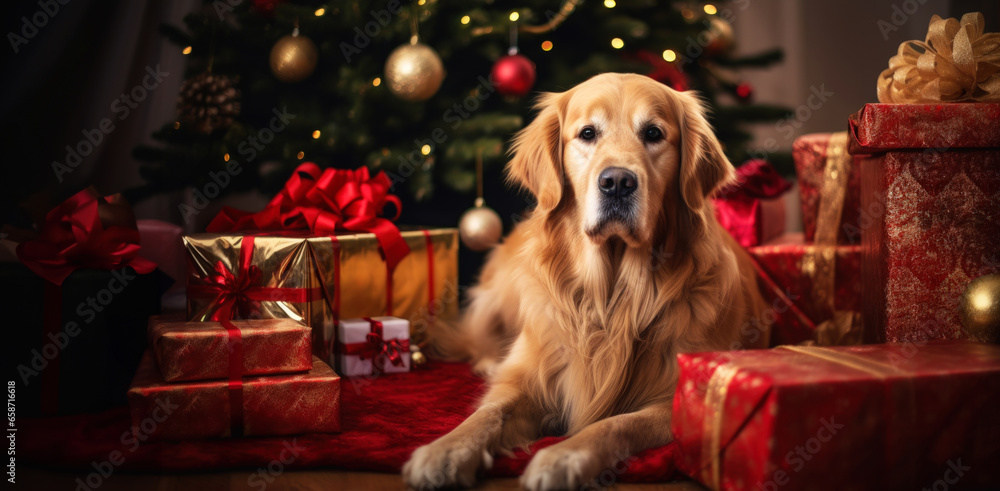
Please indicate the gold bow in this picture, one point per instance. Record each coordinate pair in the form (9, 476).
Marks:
(957, 62)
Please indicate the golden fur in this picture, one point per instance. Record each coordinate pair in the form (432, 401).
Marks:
(577, 322)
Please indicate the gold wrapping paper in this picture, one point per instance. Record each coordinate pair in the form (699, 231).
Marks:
(957, 62)
(283, 261)
(359, 274)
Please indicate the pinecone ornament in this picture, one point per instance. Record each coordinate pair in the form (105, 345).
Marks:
(208, 102)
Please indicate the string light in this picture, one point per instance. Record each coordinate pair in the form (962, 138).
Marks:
(301, 155)
(687, 13)
(225, 157)
(609, 4)
(617, 43)
(376, 82)
(177, 125)
(710, 9)
(316, 135)
(466, 19)
(421, 2)
(669, 55)
(426, 149)
(546, 45)
(514, 16)
(320, 11)
(186, 50)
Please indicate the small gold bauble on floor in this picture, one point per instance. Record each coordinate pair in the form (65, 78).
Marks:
(294, 58)
(414, 71)
(980, 308)
(480, 227)
(416, 355)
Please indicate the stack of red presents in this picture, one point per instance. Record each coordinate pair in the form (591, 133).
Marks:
(877, 385)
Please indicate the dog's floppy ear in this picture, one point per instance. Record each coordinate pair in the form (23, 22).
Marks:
(537, 153)
(704, 166)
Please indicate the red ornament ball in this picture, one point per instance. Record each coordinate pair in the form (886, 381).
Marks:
(513, 75)
(744, 91)
(266, 7)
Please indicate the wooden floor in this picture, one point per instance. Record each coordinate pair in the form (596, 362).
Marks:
(291, 480)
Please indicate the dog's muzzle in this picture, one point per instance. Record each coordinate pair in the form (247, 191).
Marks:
(617, 186)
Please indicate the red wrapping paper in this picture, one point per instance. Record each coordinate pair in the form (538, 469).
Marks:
(200, 350)
(931, 190)
(895, 416)
(789, 263)
(272, 405)
(810, 155)
(752, 210)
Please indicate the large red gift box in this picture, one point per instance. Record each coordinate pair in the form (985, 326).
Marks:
(931, 195)
(893, 416)
(187, 350)
(271, 405)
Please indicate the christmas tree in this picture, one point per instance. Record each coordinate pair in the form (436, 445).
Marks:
(272, 84)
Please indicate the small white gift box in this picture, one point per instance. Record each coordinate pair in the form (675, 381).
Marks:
(372, 345)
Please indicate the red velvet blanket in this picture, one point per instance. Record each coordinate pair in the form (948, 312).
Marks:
(384, 419)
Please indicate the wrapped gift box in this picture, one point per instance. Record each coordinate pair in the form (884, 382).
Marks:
(189, 350)
(86, 363)
(812, 154)
(271, 405)
(373, 345)
(931, 188)
(811, 295)
(895, 416)
(318, 279)
(752, 210)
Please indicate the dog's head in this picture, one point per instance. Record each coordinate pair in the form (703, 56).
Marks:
(623, 150)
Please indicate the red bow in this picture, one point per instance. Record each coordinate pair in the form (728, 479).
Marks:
(325, 202)
(73, 237)
(391, 350)
(234, 293)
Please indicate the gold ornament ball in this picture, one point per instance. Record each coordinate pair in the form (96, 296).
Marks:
(418, 358)
(480, 228)
(720, 35)
(980, 308)
(414, 72)
(293, 58)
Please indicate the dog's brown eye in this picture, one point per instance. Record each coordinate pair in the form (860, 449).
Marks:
(588, 133)
(652, 134)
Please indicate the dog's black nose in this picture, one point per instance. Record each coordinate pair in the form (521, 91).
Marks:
(616, 182)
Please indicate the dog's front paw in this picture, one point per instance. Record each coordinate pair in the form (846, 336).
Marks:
(444, 463)
(560, 468)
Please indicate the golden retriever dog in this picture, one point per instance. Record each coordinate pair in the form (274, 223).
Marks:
(621, 266)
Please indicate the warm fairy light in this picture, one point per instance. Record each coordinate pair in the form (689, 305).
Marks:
(376, 82)
(466, 19)
(710, 9)
(421, 2)
(320, 11)
(186, 50)
(669, 55)
(546, 45)
(225, 157)
(687, 13)
(385, 152)
(609, 4)
(301, 155)
(177, 125)
(426, 149)
(617, 43)
(514, 16)
(316, 135)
